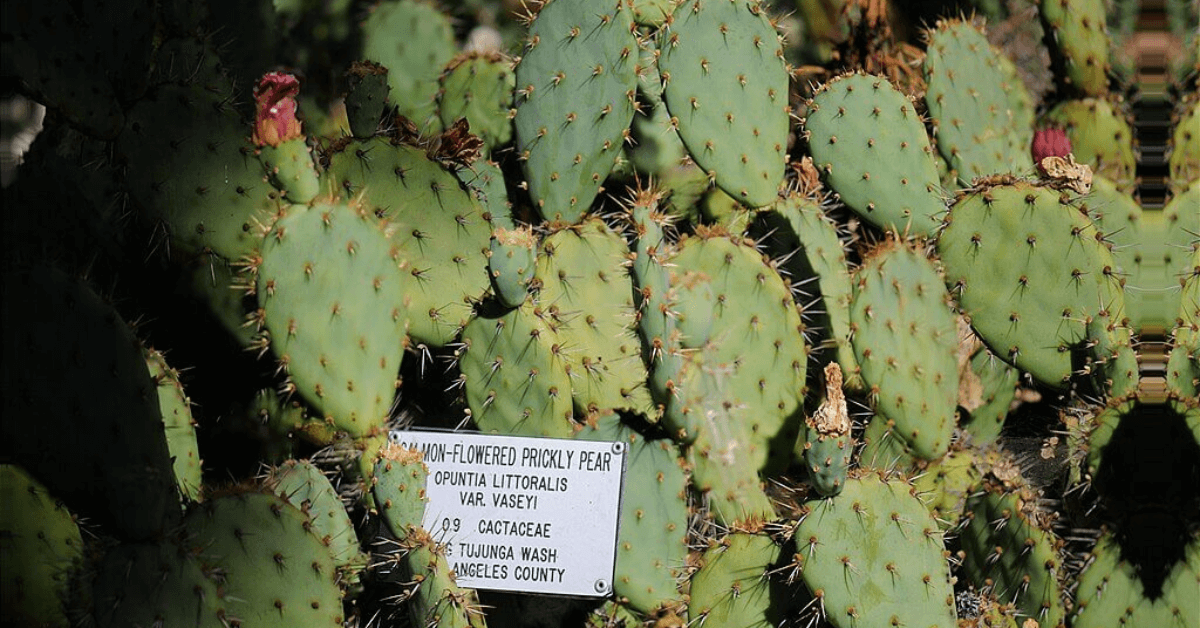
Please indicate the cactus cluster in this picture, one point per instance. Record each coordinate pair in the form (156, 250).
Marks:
(896, 312)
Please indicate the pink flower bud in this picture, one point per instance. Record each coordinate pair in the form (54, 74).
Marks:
(1050, 142)
(275, 109)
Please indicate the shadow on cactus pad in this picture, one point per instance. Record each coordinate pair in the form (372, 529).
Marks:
(1149, 482)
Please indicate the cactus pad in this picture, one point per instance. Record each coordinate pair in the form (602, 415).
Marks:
(726, 85)
(574, 99)
(876, 554)
(867, 138)
(333, 304)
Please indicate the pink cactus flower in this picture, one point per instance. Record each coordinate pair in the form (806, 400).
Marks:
(1050, 142)
(275, 119)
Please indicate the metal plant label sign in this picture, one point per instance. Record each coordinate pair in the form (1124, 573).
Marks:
(534, 515)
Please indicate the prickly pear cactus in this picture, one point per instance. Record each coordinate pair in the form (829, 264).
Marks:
(652, 547)
(194, 177)
(977, 131)
(512, 259)
(398, 481)
(1081, 43)
(730, 587)
(826, 443)
(1111, 593)
(583, 283)
(479, 87)
(876, 554)
(1028, 270)
(341, 356)
(1009, 548)
(178, 424)
(516, 379)
(868, 141)
(575, 100)
(725, 84)
(79, 359)
(798, 232)
(724, 284)
(307, 488)
(729, 236)
(285, 576)
(439, 229)
(42, 550)
(140, 584)
(905, 341)
(414, 41)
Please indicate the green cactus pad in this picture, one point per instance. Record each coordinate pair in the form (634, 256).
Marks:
(826, 443)
(1102, 427)
(1022, 107)
(1029, 272)
(883, 447)
(1183, 160)
(1112, 362)
(515, 375)
(479, 87)
(437, 599)
(945, 484)
(367, 101)
(333, 305)
(512, 263)
(998, 387)
(179, 425)
(1111, 594)
(188, 166)
(876, 553)
(868, 140)
(305, 486)
(574, 99)
(290, 167)
(1101, 137)
(905, 341)
(485, 180)
(143, 584)
(583, 282)
(80, 409)
(276, 571)
(42, 550)
(1010, 548)
(731, 587)
(414, 41)
(726, 83)
(283, 420)
(1183, 363)
(725, 451)
(752, 313)
(438, 226)
(398, 483)
(799, 233)
(1147, 246)
(975, 125)
(652, 538)
(1079, 45)
(656, 148)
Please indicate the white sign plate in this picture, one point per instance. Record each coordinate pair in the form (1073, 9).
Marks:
(534, 515)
